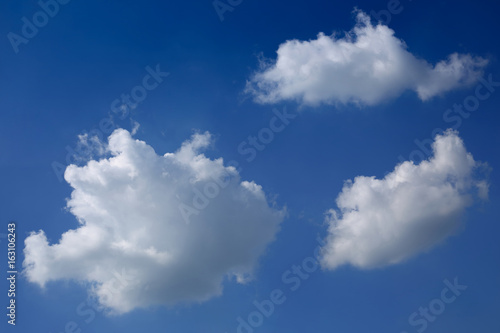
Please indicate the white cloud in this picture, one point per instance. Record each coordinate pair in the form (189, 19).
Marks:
(133, 247)
(136, 126)
(367, 66)
(385, 221)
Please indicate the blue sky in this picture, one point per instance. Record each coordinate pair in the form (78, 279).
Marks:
(61, 85)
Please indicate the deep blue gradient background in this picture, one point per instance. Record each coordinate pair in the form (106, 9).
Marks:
(63, 81)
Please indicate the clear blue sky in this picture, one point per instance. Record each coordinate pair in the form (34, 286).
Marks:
(63, 81)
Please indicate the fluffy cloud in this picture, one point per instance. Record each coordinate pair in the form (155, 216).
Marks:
(156, 229)
(367, 66)
(385, 221)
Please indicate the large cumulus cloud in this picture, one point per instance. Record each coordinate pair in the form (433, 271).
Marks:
(134, 246)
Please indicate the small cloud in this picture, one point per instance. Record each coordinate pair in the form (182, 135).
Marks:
(367, 66)
(135, 127)
(381, 222)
